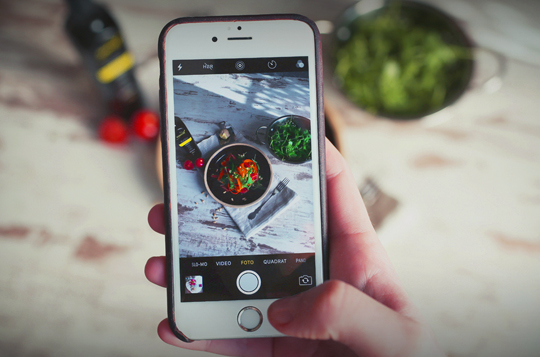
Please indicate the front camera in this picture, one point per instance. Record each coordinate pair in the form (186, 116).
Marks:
(214, 39)
(239, 27)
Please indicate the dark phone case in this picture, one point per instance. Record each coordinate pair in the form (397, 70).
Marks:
(166, 146)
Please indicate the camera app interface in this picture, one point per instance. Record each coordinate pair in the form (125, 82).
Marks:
(244, 177)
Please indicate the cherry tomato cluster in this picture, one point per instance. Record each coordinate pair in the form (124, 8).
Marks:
(144, 125)
(188, 164)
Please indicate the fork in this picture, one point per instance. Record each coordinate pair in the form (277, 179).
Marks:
(370, 192)
(278, 189)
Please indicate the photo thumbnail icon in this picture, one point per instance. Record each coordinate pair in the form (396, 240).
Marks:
(194, 284)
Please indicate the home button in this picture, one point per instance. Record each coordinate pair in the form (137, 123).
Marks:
(250, 319)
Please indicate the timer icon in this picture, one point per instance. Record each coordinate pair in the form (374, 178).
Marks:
(272, 64)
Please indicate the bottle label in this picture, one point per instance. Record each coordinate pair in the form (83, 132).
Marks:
(183, 143)
(115, 43)
(115, 68)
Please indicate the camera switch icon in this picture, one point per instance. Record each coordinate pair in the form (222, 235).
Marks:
(305, 280)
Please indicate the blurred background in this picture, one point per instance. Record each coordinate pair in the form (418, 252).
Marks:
(453, 190)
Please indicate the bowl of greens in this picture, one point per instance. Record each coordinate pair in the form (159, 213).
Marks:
(401, 59)
(288, 138)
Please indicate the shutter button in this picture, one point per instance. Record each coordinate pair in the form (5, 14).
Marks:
(248, 282)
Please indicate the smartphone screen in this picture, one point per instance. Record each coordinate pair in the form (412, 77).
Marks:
(244, 169)
(226, 254)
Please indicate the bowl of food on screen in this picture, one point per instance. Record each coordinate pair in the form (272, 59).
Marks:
(400, 59)
(288, 138)
(238, 175)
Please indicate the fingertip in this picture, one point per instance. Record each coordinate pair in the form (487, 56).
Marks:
(338, 311)
(281, 312)
(156, 218)
(155, 271)
(312, 314)
(166, 334)
(329, 146)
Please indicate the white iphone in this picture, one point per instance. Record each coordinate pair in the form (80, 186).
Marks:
(243, 158)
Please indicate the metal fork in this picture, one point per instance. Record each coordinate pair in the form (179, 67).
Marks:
(370, 192)
(278, 189)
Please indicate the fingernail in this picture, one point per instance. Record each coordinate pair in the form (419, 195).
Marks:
(282, 311)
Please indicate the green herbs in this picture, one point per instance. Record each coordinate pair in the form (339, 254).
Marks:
(290, 142)
(396, 65)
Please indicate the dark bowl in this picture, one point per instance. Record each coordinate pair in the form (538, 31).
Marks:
(227, 198)
(414, 14)
(303, 123)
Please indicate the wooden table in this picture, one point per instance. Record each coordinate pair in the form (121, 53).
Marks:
(73, 232)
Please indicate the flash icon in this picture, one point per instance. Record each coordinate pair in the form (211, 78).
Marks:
(179, 67)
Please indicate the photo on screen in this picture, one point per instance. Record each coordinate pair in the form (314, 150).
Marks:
(254, 194)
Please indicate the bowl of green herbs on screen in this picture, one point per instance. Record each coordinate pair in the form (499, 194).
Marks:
(288, 138)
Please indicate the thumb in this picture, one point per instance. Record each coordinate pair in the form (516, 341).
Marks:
(340, 312)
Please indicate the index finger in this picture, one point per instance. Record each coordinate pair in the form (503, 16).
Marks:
(357, 257)
(156, 218)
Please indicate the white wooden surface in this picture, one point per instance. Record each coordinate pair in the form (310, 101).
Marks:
(245, 101)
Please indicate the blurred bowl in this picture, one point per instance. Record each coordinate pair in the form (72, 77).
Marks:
(415, 18)
(270, 130)
(223, 195)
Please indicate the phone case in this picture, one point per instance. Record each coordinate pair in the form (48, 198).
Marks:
(166, 145)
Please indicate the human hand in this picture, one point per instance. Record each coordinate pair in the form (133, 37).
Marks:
(362, 310)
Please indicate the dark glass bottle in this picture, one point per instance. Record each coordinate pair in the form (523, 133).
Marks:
(185, 141)
(97, 37)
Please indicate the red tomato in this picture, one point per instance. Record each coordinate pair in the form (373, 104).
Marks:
(188, 165)
(145, 124)
(199, 162)
(113, 130)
